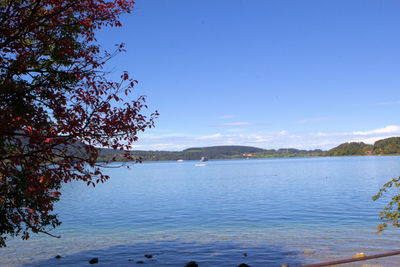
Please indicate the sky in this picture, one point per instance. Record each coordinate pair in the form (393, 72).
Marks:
(270, 74)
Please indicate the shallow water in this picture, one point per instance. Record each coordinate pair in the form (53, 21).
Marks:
(271, 209)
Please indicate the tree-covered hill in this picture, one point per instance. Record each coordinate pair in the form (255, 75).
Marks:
(214, 152)
(348, 149)
(388, 146)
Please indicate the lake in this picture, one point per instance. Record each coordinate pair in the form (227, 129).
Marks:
(294, 211)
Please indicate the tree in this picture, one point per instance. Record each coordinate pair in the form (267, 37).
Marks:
(391, 212)
(57, 105)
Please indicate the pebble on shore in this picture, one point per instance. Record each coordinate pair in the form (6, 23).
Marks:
(94, 260)
(192, 264)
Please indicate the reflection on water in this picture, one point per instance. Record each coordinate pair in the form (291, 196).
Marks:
(272, 209)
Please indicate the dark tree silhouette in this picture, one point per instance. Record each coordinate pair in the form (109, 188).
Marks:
(57, 105)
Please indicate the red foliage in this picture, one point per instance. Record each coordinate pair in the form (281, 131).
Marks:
(57, 105)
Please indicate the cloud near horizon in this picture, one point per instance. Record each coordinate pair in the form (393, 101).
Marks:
(388, 103)
(313, 120)
(224, 117)
(267, 140)
(385, 130)
(236, 124)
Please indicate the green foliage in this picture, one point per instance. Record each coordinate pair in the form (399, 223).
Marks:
(391, 212)
(222, 152)
(388, 146)
(348, 149)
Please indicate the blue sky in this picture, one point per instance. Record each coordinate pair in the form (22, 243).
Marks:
(303, 74)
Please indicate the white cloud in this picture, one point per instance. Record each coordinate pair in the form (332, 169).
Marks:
(224, 117)
(236, 130)
(387, 129)
(370, 140)
(208, 137)
(313, 120)
(236, 124)
(388, 103)
(268, 140)
(161, 136)
(167, 146)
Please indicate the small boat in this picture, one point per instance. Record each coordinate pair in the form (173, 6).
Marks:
(200, 165)
(203, 159)
(180, 160)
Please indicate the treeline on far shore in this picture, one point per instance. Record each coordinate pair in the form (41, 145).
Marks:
(389, 146)
(215, 152)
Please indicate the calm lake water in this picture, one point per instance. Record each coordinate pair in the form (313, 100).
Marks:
(271, 209)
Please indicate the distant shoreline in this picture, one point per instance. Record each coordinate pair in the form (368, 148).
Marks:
(389, 146)
(197, 161)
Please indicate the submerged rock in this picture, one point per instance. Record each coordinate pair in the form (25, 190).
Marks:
(94, 260)
(148, 256)
(192, 264)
